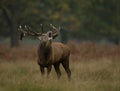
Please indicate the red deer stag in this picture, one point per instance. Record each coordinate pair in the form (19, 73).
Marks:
(50, 53)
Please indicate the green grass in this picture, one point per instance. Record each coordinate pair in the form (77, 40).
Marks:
(100, 75)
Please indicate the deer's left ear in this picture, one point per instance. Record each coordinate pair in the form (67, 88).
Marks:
(50, 35)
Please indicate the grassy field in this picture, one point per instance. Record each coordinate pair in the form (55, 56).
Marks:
(94, 68)
(102, 75)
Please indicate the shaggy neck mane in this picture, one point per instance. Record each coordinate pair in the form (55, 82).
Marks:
(45, 52)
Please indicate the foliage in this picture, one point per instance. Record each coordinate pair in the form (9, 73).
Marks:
(83, 18)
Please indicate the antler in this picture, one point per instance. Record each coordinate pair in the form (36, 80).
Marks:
(41, 25)
(27, 30)
(23, 33)
(33, 33)
(56, 31)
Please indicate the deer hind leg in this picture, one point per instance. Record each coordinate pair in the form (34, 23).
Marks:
(65, 64)
(57, 69)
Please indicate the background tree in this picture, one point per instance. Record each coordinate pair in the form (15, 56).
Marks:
(10, 11)
(87, 19)
(100, 18)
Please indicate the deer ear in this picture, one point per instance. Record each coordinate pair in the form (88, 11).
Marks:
(50, 35)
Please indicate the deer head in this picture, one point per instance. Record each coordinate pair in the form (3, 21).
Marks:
(45, 38)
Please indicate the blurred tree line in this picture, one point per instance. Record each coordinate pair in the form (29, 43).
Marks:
(80, 18)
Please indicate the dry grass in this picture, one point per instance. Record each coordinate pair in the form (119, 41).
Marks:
(99, 75)
(85, 51)
(94, 68)
(17, 53)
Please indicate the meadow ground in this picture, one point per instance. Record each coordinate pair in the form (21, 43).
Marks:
(102, 75)
(94, 68)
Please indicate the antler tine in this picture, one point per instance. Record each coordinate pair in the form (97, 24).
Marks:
(32, 32)
(56, 31)
(53, 27)
(22, 32)
(28, 31)
(41, 25)
(20, 26)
